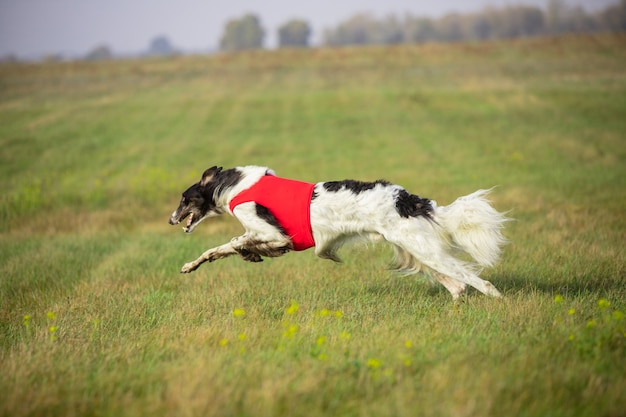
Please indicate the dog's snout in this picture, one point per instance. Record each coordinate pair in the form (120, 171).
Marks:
(172, 221)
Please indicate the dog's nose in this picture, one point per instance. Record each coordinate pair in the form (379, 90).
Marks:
(174, 218)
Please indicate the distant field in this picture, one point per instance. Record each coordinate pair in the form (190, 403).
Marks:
(96, 320)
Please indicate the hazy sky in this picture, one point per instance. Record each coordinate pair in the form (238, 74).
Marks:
(73, 27)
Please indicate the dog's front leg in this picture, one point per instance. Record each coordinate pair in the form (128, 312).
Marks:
(252, 249)
(211, 255)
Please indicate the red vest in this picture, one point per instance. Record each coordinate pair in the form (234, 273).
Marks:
(289, 201)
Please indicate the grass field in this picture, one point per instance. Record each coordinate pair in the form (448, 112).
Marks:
(96, 320)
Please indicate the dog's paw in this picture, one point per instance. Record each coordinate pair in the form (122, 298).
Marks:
(491, 290)
(188, 267)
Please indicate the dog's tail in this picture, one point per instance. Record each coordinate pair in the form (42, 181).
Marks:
(473, 226)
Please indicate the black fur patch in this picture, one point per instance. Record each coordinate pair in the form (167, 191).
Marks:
(221, 181)
(266, 215)
(356, 187)
(200, 198)
(196, 197)
(249, 256)
(411, 205)
(226, 179)
(193, 193)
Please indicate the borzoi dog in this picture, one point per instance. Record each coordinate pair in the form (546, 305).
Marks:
(280, 215)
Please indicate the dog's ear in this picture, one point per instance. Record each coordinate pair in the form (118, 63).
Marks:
(209, 174)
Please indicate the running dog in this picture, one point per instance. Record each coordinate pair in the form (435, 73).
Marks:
(281, 215)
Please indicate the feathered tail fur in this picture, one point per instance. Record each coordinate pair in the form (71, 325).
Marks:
(473, 226)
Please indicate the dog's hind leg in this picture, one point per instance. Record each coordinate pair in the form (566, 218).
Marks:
(455, 270)
(407, 263)
(211, 255)
(428, 250)
(456, 288)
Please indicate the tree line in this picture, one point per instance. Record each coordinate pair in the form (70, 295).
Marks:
(490, 23)
(247, 32)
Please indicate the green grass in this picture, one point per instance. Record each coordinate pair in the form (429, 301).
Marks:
(95, 319)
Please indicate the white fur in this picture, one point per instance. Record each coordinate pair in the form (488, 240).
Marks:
(470, 225)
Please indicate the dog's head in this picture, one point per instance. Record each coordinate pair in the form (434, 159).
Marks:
(199, 201)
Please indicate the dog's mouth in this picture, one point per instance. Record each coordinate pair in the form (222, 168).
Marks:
(189, 226)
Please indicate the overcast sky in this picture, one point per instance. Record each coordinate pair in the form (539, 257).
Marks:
(30, 28)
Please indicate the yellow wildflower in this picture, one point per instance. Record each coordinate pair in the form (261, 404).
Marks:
(291, 331)
(374, 363)
(53, 330)
(293, 308)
